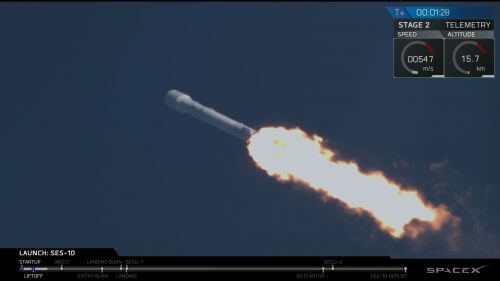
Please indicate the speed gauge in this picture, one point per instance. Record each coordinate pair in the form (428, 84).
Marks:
(418, 58)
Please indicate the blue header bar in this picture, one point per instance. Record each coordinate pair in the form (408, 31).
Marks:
(441, 12)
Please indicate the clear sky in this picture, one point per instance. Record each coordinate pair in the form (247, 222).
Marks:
(90, 156)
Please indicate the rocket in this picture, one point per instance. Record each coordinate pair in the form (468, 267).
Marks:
(184, 104)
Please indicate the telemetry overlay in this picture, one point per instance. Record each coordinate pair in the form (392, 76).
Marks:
(443, 42)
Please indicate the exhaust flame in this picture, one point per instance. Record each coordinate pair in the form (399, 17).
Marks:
(292, 155)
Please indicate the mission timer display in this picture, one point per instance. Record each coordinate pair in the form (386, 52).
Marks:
(443, 42)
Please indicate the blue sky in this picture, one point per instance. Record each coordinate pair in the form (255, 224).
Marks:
(91, 157)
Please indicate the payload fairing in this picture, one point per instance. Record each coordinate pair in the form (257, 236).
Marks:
(184, 104)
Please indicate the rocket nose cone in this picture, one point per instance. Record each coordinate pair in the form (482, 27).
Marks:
(172, 96)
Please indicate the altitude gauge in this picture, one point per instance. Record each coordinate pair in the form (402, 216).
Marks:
(418, 58)
(469, 58)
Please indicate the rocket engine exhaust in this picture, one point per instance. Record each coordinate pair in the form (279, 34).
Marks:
(184, 104)
(293, 155)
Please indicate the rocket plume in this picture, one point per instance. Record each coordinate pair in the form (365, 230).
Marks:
(293, 155)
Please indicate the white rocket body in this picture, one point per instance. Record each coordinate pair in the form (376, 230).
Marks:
(184, 104)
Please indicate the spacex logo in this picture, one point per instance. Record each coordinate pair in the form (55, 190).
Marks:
(455, 270)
